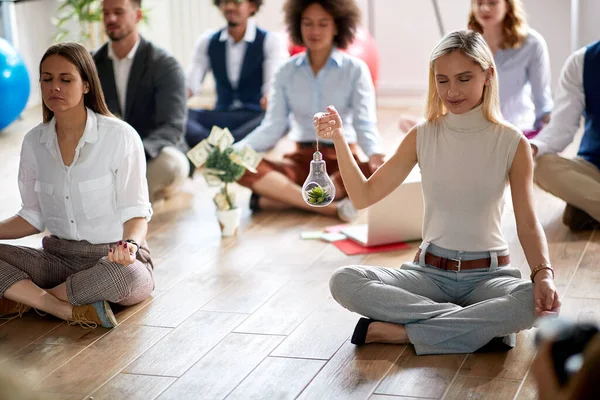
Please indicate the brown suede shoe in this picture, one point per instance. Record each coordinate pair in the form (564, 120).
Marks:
(11, 309)
(92, 315)
(579, 220)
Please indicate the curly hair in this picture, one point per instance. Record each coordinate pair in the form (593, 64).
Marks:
(345, 13)
(257, 3)
(514, 26)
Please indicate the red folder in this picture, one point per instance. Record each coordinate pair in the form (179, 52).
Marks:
(351, 248)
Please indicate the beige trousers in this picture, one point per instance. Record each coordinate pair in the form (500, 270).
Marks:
(574, 180)
(166, 173)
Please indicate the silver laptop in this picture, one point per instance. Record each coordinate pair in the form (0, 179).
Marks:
(396, 218)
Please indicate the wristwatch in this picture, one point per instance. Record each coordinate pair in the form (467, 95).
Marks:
(137, 246)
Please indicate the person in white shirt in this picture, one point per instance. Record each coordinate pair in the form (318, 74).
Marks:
(522, 64)
(145, 87)
(461, 292)
(82, 177)
(575, 180)
(243, 59)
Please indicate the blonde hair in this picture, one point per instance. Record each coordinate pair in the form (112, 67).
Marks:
(472, 45)
(514, 26)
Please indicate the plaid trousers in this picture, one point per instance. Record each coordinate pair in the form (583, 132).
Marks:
(90, 277)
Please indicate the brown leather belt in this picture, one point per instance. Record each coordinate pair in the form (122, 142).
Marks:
(450, 264)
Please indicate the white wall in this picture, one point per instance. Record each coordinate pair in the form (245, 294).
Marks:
(33, 32)
(405, 30)
(589, 29)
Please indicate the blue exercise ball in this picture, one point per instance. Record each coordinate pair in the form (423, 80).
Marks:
(14, 84)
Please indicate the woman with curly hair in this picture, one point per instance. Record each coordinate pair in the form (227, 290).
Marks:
(522, 62)
(307, 83)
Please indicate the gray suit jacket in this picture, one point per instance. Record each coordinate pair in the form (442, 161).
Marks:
(156, 104)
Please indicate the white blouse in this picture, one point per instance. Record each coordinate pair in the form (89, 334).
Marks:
(91, 199)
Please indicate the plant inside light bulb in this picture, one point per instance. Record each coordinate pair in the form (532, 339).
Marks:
(318, 189)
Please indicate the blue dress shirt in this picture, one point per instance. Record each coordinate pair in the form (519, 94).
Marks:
(297, 94)
(524, 77)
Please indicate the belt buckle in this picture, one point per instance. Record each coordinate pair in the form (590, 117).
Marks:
(459, 261)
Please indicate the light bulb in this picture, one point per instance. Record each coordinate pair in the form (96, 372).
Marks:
(318, 189)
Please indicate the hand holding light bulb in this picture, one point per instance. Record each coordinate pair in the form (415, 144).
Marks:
(328, 125)
(318, 189)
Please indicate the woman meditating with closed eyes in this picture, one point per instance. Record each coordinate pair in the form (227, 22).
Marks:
(82, 177)
(460, 292)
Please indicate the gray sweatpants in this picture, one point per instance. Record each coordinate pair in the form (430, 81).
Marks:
(443, 311)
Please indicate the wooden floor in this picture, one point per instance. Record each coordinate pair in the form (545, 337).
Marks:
(252, 317)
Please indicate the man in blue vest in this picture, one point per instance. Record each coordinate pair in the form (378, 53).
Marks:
(243, 59)
(576, 180)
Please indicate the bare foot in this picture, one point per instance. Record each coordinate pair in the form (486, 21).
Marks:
(386, 332)
(407, 122)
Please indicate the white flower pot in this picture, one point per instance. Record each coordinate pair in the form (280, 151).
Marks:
(229, 221)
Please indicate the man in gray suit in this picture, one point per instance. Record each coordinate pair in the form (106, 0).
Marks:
(145, 87)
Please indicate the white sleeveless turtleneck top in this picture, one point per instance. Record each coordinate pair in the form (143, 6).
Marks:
(465, 161)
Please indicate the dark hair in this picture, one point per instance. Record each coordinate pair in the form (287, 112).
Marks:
(77, 55)
(345, 13)
(257, 3)
(137, 3)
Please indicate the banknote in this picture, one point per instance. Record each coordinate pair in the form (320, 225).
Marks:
(220, 138)
(247, 158)
(221, 202)
(199, 153)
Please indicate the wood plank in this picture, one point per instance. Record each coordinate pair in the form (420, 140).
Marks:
(246, 294)
(183, 300)
(60, 396)
(292, 250)
(586, 280)
(82, 375)
(186, 344)
(287, 309)
(277, 378)
(512, 364)
(133, 387)
(124, 313)
(390, 397)
(466, 387)
(320, 335)
(223, 368)
(528, 390)
(581, 309)
(20, 332)
(420, 376)
(37, 361)
(68, 335)
(353, 373)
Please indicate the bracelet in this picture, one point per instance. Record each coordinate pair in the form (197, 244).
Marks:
(137, 246)
(541, 266)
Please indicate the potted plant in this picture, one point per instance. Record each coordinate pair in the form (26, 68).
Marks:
(221, 166)
(87, 15)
